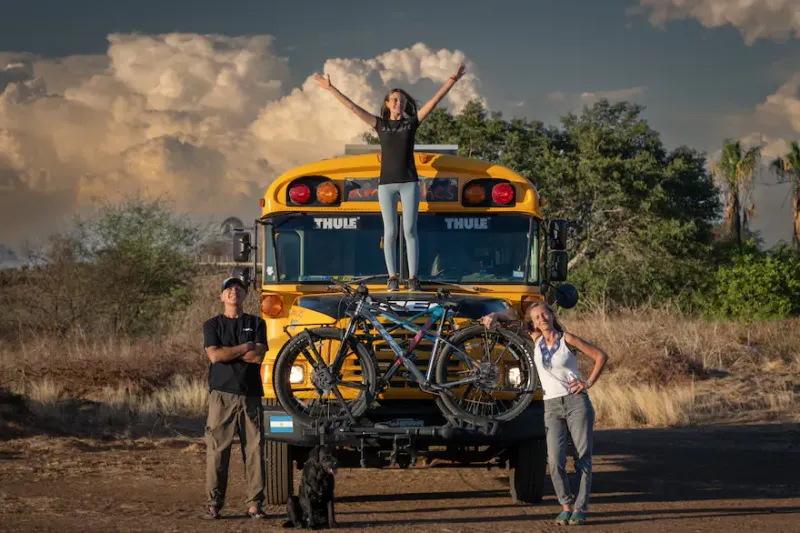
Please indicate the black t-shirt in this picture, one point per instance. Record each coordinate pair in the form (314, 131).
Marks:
(237, 376)
(397, 149)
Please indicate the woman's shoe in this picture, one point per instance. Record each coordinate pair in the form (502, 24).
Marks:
(578, 518)
(563, 518)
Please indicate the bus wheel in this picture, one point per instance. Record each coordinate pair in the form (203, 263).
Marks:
(527, 470)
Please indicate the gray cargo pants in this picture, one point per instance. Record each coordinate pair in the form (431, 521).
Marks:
(571, 415)
(229, 415)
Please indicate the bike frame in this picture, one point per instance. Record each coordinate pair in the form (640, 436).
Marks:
(364, 311)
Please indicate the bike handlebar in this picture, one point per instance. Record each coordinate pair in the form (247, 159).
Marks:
(362, 292)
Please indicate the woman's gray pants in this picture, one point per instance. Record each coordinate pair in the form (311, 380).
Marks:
(571, 415)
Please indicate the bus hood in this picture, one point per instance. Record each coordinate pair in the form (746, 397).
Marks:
(404, 304)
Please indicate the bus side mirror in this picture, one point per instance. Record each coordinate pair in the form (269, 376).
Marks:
(558, 234)
(566, 296)
(557, 262)
(244, 273)
(241, 246)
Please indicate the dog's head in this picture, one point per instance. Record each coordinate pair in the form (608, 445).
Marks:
(325, 456)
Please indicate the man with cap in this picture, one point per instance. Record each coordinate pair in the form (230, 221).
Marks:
(235, 343)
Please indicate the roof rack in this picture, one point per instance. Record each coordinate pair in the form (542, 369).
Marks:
(358, 149)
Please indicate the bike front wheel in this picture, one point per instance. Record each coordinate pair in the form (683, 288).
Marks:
(488, 374)
(310, 390)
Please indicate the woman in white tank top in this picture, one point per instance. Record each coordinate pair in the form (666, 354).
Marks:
(568, 410)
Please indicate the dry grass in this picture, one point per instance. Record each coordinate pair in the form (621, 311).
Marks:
(121, 408)
(664, 369)
(619, 406)
(663, 347)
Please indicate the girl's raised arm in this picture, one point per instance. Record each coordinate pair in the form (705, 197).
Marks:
(433, 102)
(325, 83)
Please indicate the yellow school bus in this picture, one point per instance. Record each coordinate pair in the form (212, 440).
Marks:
(481, 237)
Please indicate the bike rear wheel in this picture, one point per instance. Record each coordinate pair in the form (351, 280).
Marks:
(503, 368)
(307, 389)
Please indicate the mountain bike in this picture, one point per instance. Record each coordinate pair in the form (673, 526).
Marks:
(481, 375)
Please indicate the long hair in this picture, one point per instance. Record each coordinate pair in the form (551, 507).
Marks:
(410, 108)
(528, 320)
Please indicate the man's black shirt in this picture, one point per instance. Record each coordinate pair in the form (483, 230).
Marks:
(237, 376)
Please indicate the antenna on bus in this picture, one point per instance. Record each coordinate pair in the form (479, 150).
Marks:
(360, 149)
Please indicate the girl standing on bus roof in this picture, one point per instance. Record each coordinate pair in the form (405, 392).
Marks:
(396, 128)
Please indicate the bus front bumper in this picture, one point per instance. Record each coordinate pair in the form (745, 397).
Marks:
(423, 424)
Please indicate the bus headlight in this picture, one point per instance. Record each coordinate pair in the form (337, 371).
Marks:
(296, 374)
(513, 376)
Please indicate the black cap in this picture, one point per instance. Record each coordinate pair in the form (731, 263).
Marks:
(230, 281)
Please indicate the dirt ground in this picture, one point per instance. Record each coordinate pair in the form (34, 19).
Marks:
(720, 479)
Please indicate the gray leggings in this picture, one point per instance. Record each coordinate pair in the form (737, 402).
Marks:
(571, 415)
(409, 198)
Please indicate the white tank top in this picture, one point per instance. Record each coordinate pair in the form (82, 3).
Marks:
(556, 371)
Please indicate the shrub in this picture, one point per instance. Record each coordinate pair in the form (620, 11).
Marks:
(756, 286)
(120, 271)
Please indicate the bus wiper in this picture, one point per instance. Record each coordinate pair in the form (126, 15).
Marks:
(453, 284)
(369, 277)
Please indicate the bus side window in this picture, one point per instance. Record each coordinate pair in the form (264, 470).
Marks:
(288, 249)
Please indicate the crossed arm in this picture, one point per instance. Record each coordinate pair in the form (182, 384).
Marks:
(249, 352)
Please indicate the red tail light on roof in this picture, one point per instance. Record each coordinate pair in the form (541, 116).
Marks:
(503, 193)
(300, 193)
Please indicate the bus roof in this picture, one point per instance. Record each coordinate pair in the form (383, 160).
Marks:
(429, 165)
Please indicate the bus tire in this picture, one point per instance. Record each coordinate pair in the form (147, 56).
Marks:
(527, 471)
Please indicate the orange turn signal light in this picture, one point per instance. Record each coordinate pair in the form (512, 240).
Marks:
(475, 194)
(271, 305)
(327, 192)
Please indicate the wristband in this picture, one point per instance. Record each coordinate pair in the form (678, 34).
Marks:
(588, 383)
(453, 78)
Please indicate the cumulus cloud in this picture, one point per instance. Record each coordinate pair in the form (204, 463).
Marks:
(590, 97)
(208, 120)
(755, 19)
(310, 121)
(783, 107)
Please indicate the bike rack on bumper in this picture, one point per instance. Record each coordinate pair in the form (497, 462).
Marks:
(398, 435)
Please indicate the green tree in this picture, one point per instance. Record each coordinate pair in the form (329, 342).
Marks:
(734, 172)
(788, 169)
(641, 216)
(121, 271)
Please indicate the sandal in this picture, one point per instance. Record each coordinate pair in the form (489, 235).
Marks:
(578, 518)
(563, 518)
(258, 514)
(212, 513)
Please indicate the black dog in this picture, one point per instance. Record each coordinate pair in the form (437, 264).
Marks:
(314, 507)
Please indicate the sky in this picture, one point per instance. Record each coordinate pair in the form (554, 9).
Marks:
(206, 102)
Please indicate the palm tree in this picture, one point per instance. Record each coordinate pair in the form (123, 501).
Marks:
(788, 169)
(734, 172)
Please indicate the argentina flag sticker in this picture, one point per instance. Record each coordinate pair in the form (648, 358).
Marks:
(281, 424)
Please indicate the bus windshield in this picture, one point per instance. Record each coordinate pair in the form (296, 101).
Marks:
(500, 248)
